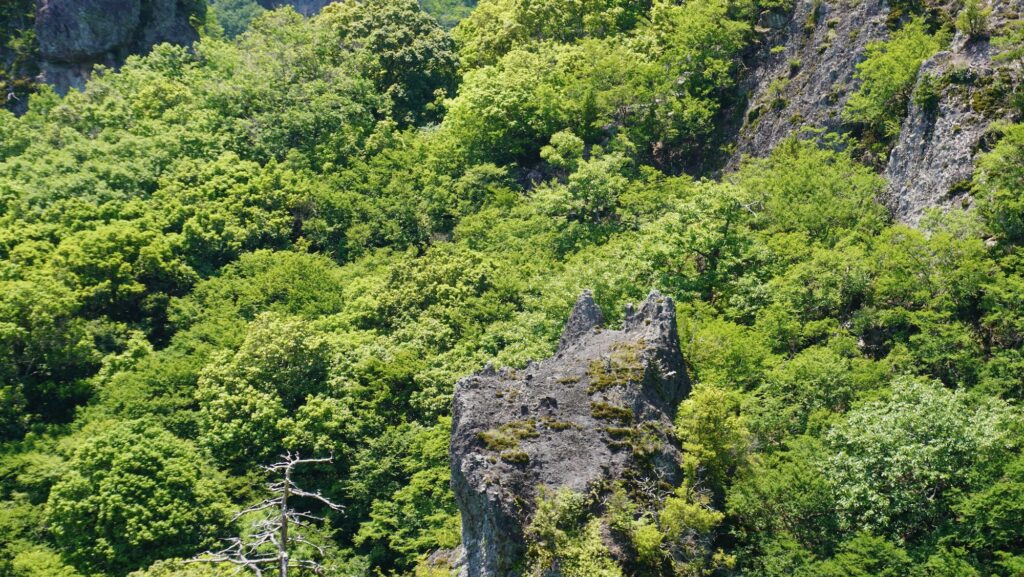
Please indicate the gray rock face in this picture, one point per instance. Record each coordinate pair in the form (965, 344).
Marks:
(933, 160)
(599, 410)
(934, 155)
(803, 74)
(70, 31)
(75, 35)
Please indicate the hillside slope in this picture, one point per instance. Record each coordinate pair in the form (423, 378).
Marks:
(312, 239)
(806, 69)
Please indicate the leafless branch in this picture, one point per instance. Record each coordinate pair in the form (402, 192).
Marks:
(252, 552)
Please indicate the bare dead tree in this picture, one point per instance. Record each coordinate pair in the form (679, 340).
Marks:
(267, 544)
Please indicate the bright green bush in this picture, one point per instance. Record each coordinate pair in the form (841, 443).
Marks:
(897, 462)
(406, 54)
(972, 20)
(134, 494)
(561, 535)
(235, 16)
(496, 27)
(1000, 178)
(886, 78)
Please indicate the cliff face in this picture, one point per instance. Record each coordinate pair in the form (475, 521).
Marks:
(75, 35)
(803, 75)
(599, 410)
(933, 160)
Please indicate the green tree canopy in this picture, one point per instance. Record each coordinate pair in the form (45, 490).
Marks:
(134, 494)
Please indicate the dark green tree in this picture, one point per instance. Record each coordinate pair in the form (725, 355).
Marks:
(403, 50)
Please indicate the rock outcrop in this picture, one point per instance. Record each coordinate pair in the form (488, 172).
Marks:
(803, 74)
(76, 35)
(933, 160)
(599, 410)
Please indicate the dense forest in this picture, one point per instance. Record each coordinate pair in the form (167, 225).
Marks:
(298, 234)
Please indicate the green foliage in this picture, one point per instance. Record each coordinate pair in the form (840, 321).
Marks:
(134, 494)
(801, 197)
(988, 516)
(419, 514)
(887, 77)
(235, 16)
(727, 353)
(927, 93)
(40, 562)
(448, 12)
(562, 534)
(972, 21)
(528, 96)
(177, 568)
(249, 399)
(401, 49)
(690, 524)
(1000, 178)
(898, 462)
(527, 92)
(592, 192)
(496, 26)
(298, 239)
(1010, 41)
(815, 382)
(863, 556)
(715, 439)
(48, 351)
(784, 495)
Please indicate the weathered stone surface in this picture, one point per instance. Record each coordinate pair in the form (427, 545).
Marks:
(933, 160)
(75, 30)
(599, 410)
(76, 35)
(584, 318)
(804, 72)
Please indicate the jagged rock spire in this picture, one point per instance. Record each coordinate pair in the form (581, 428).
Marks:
(597, 412)
(585, 317)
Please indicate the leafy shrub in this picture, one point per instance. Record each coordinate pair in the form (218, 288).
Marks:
(972, 21)
(1000, 178)
(896, 461)
(132, 495)
(563, 535)
(887, 75)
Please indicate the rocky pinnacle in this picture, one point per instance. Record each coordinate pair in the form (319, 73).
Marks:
(599, 410)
